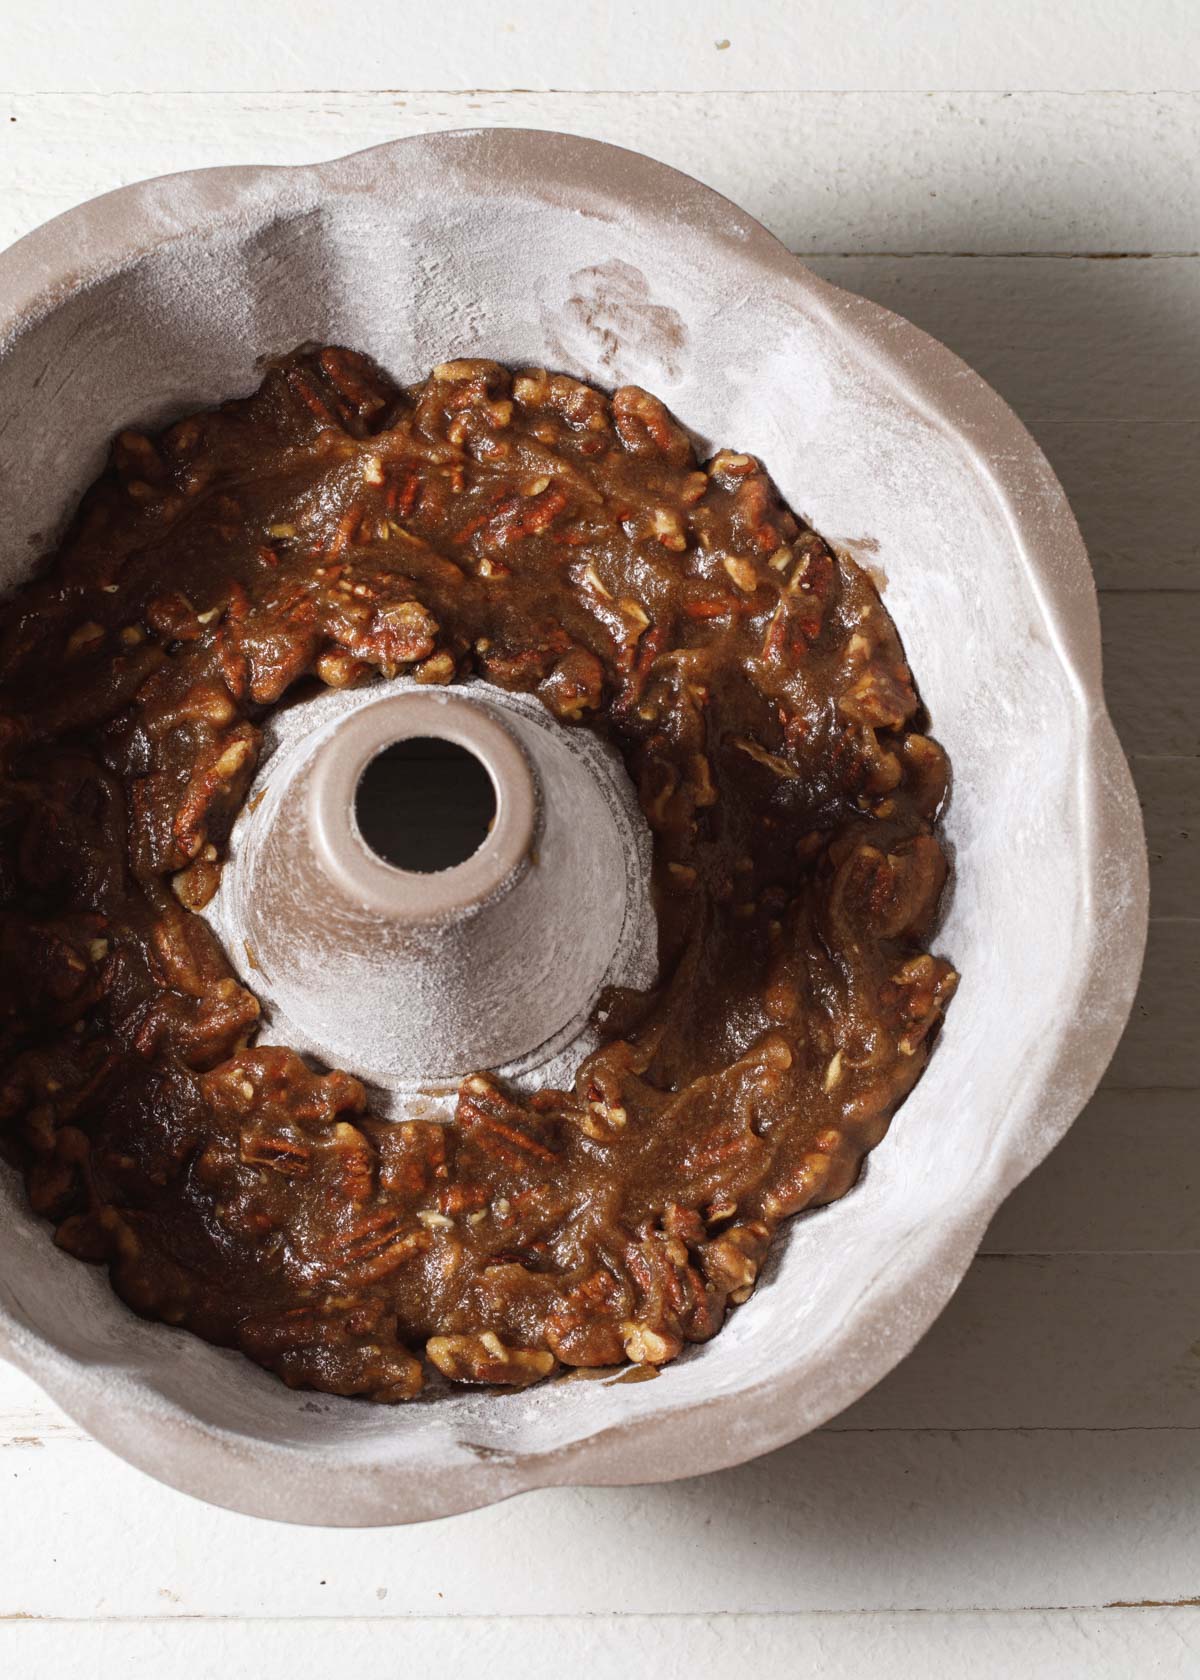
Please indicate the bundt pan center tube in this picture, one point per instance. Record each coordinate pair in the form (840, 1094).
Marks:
(543, 250)
(414, 979)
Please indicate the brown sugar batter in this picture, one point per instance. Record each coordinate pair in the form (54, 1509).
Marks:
(530, 530)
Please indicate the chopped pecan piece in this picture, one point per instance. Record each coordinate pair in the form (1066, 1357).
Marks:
(486, 1359)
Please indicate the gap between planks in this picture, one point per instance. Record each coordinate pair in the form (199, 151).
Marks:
(1105, 1643)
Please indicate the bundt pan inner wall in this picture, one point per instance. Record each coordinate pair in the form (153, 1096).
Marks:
(538, 248)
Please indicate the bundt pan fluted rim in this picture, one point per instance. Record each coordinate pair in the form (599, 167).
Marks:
(539, 247)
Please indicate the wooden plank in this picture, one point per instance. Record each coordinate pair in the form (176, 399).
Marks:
(697, 44)
(1152, 669)
(833, 172)
(1135, 490)
(1107, 1644)
(1069, 338)
(840, 1521)
(1161, 1047)
(1169, 790)
(1125, 1178)
(1096, 1341)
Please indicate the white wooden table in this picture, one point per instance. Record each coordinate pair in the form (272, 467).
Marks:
(1022, 1496)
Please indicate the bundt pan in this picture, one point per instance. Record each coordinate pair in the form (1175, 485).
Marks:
(538, 248)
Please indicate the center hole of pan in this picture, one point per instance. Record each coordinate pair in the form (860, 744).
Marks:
(425, 804)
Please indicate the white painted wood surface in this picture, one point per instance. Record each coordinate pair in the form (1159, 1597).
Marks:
(1103, 1645)
(283, 45)
(1021, 1497)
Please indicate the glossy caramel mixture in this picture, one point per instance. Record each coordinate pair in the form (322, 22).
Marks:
(334, 529)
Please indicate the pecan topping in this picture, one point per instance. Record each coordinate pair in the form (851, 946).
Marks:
(530, 530)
